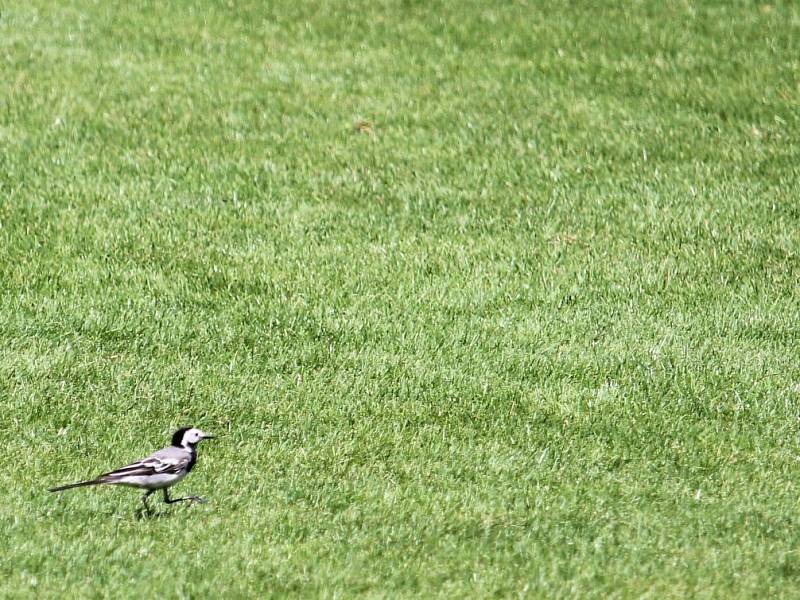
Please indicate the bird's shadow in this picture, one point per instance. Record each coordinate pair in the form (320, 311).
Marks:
(144, 514)
(140, 514)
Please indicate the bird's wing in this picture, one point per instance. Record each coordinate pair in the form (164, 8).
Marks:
(158, 463)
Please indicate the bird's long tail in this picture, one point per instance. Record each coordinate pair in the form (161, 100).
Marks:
(69, 486)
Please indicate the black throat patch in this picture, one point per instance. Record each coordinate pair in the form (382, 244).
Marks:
(192, 458)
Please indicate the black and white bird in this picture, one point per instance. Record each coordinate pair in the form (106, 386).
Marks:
(159, 471)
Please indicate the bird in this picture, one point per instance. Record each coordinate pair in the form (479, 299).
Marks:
(159, 471)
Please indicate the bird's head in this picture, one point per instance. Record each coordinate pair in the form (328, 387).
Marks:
(189, 436)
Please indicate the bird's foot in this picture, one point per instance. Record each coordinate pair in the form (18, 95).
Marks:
(169, 500)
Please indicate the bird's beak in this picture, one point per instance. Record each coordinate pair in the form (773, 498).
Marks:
(208, 436)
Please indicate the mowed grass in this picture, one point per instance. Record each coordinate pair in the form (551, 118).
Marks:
(484, 299)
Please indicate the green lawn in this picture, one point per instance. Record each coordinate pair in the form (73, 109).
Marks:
(483, 299)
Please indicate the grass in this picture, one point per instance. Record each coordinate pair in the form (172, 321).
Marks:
(483, 299)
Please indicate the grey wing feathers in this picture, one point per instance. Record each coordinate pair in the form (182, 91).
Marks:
(166, 461)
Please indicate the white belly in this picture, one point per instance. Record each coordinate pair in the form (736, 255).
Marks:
(152, 482)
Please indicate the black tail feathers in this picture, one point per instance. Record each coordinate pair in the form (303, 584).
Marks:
(69, 486)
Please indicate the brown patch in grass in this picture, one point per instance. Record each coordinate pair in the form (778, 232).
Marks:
(363, 126)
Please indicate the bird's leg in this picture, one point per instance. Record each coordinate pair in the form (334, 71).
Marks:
(147, 508)
(169, 500)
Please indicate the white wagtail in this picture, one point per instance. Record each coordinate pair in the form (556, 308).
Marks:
(159, 471)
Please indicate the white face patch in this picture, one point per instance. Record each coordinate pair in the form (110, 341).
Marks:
(193, 436)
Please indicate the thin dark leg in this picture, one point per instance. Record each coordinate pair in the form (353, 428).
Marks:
(147, 508)
(169, 500)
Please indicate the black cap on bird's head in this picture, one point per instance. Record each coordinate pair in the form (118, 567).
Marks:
(188, 436)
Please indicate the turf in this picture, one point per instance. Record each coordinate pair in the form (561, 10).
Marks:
(484, 299)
